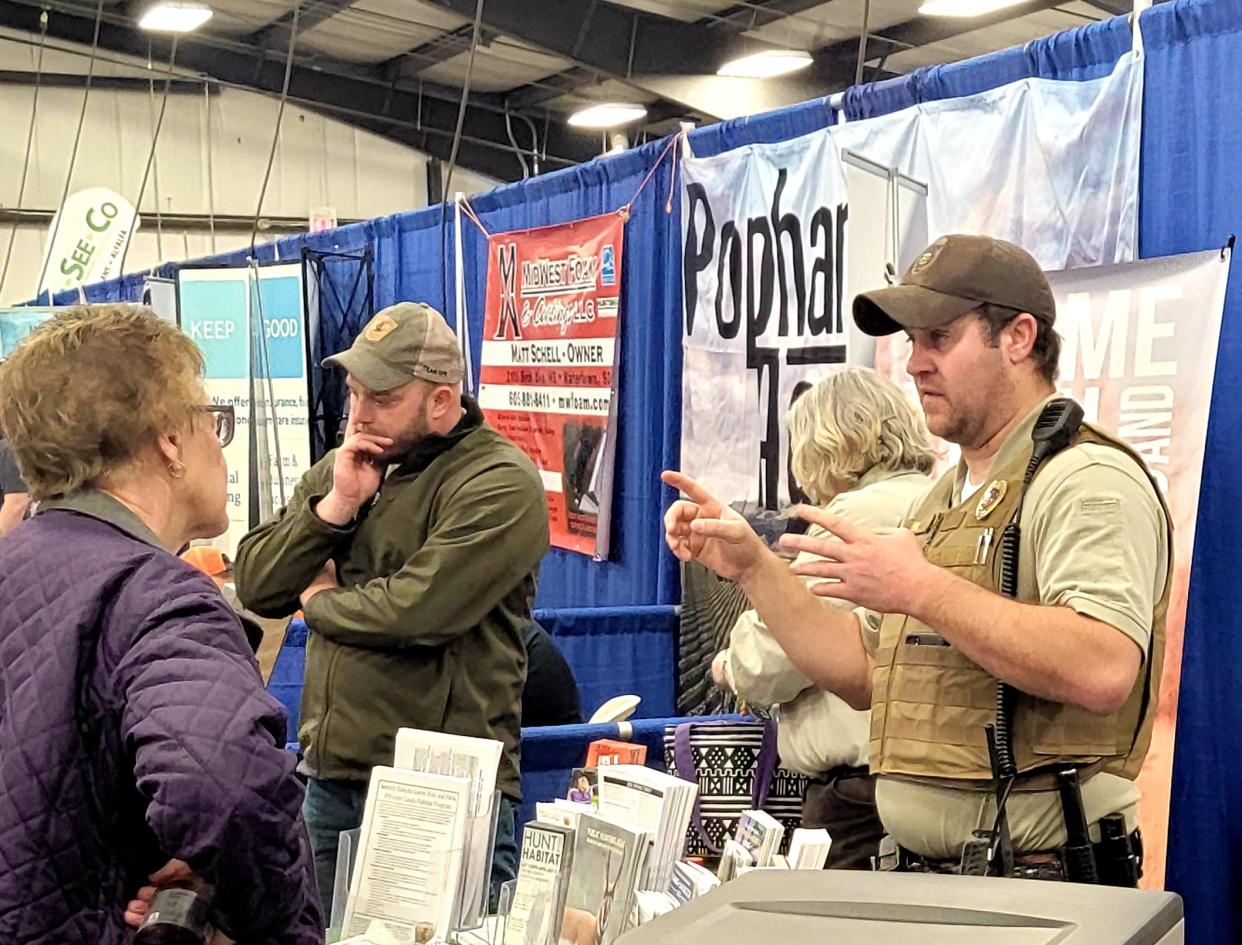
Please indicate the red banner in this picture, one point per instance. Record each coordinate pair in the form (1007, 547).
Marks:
(548, 373)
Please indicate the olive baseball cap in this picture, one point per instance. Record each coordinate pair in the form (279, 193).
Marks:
(953, 276)
(402, 342)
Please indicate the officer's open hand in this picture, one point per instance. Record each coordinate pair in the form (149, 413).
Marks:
(881, 569)
(701, 527)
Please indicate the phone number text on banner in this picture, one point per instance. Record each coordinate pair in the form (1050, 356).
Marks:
(548, 377)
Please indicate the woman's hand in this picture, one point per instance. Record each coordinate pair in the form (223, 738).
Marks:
(174, 871)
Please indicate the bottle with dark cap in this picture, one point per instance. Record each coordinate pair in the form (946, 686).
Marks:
(180, 915)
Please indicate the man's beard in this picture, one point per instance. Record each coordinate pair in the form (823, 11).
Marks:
(404, 444)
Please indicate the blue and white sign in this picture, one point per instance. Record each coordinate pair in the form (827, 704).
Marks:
(214, 313)
(283, 359)
(219, 310)
(214, 309)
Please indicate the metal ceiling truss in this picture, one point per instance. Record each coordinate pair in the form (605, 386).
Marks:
(714, 39)
(441, 49)
(419, 114)
(610, 42)
(70, 80)
(834, 66)
(310, 13)
(613, 40)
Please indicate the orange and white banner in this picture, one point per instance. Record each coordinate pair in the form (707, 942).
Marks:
(1139, 354)
(549, 365)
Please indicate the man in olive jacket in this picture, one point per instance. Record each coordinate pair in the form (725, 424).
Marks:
(413, 550)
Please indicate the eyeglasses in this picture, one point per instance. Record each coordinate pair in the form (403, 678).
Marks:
(224, 418)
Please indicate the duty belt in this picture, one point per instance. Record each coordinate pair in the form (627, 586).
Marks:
(1045, 865)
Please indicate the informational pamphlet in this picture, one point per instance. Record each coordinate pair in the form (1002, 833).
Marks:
(409, 869)
(542, 882)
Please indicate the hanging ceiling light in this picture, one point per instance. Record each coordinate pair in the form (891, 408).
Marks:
(175, 16)
(964, 7)
(607, 115)
(767, 64)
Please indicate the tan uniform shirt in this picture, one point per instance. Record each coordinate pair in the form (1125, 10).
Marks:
(817, 730)
(1094, 540)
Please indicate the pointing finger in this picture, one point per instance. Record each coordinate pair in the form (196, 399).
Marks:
(692, 489)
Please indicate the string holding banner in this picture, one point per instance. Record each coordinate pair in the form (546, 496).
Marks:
(627, 208)
(468, 210)
(459, 287)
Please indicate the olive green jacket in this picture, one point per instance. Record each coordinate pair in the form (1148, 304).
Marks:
(437, 576)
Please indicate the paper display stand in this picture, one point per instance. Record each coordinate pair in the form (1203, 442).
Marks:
(472, 916)
(473, 926)
(346, 856)
(504, 905)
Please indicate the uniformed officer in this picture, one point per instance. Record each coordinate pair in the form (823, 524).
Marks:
(1082, 645)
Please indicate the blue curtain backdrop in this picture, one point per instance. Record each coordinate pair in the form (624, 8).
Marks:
(1191, 200)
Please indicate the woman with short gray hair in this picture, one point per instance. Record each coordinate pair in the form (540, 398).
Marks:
(860, 449)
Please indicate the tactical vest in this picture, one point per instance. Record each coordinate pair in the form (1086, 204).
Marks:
(930, 703)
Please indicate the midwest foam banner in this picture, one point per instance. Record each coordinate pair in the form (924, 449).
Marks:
(548, 372)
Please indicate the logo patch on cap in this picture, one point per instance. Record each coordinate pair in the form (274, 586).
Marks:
(928, 256)
(379, 328)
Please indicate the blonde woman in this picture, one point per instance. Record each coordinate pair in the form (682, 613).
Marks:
(862, 451)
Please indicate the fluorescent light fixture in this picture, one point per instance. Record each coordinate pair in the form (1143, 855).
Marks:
(766, 65)
(175, 16)
(608, 115)
(964, 7)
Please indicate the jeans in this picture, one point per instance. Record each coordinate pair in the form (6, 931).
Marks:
(332, 807)
(505, 853)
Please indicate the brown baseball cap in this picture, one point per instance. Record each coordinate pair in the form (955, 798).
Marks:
(404, 341)
(954, 275)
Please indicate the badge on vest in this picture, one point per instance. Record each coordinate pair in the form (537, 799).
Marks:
(991, 498)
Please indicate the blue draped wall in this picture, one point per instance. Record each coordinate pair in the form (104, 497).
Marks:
(1191, 200)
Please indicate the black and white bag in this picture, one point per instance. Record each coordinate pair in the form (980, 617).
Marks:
(736, 767)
